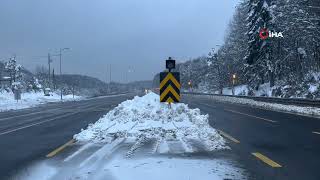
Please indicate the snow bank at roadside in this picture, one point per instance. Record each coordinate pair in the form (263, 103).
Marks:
(28, 100)
(272, 106)
(146, 117)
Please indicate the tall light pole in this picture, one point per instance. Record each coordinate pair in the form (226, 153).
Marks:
(215, 57)
(130, 70)
(190, 85)
(110, 79)
(234, 76)
(60, 54)
(49, 62)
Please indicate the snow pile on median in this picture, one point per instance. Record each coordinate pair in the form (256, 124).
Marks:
(146, 117)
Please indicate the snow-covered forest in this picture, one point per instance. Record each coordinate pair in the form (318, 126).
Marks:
(287, 66)
(39, 87)
(13, 76)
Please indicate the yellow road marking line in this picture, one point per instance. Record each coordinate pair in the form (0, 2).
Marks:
(314, 132)
(59, 149)
(229, 137)
(266, 160)
(268, 120)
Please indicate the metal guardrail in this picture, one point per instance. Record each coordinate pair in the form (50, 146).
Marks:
(287, 101)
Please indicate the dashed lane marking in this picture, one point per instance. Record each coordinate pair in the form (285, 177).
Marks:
(35, 124)
(29, 114)
(266, 160)
(229, 137)
(59, 149)
(208, 105)
(80, 106)
(315, 132)
(268, 120)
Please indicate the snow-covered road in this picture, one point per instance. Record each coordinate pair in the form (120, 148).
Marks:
(123, 159)
(143, 139)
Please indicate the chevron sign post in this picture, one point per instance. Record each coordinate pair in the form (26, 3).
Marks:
(169, 87)
(170, 84)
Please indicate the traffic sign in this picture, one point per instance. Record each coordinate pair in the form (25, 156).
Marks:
(170, 87)
(170, 64)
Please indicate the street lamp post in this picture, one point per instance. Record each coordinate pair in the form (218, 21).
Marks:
(215, 56)
(60, 54)
(190, 85)
(130, 70)
(234, 76)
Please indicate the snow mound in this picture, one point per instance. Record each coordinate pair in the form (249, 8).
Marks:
(145, 117)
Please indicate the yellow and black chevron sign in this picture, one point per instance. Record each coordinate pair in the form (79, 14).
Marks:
(169, 87)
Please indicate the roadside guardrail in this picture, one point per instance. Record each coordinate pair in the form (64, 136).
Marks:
(286, 101)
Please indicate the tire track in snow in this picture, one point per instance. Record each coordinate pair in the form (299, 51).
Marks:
(78, 152)
(163, 147)
(187, 147)
(140, 142)
(197, 145)
(177, 146)
(156, 145)
(103, 152)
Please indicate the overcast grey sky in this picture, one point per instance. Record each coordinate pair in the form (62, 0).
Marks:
(135, 34)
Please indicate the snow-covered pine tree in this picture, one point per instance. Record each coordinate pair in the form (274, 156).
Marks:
(14, 70)
(259, 51)
(214, 74)
(292, 62)
(300, 45)
(232, 52)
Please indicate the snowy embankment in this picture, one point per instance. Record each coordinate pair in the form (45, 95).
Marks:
(145, 118)
(310, 90)
(271, 106)
(243, 90)
(28, 100)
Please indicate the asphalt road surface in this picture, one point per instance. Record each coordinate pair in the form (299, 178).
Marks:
(268, 144)
(287, 140)
(28, 135)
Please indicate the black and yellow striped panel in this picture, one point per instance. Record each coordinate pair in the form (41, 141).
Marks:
(170, 87)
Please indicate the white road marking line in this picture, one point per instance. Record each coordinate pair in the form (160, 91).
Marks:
(50, 115)
(101, 97)
(268, 120)
(35, 124)
(80, 106)
(22, 115)
(314, 132)
(208, 105)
